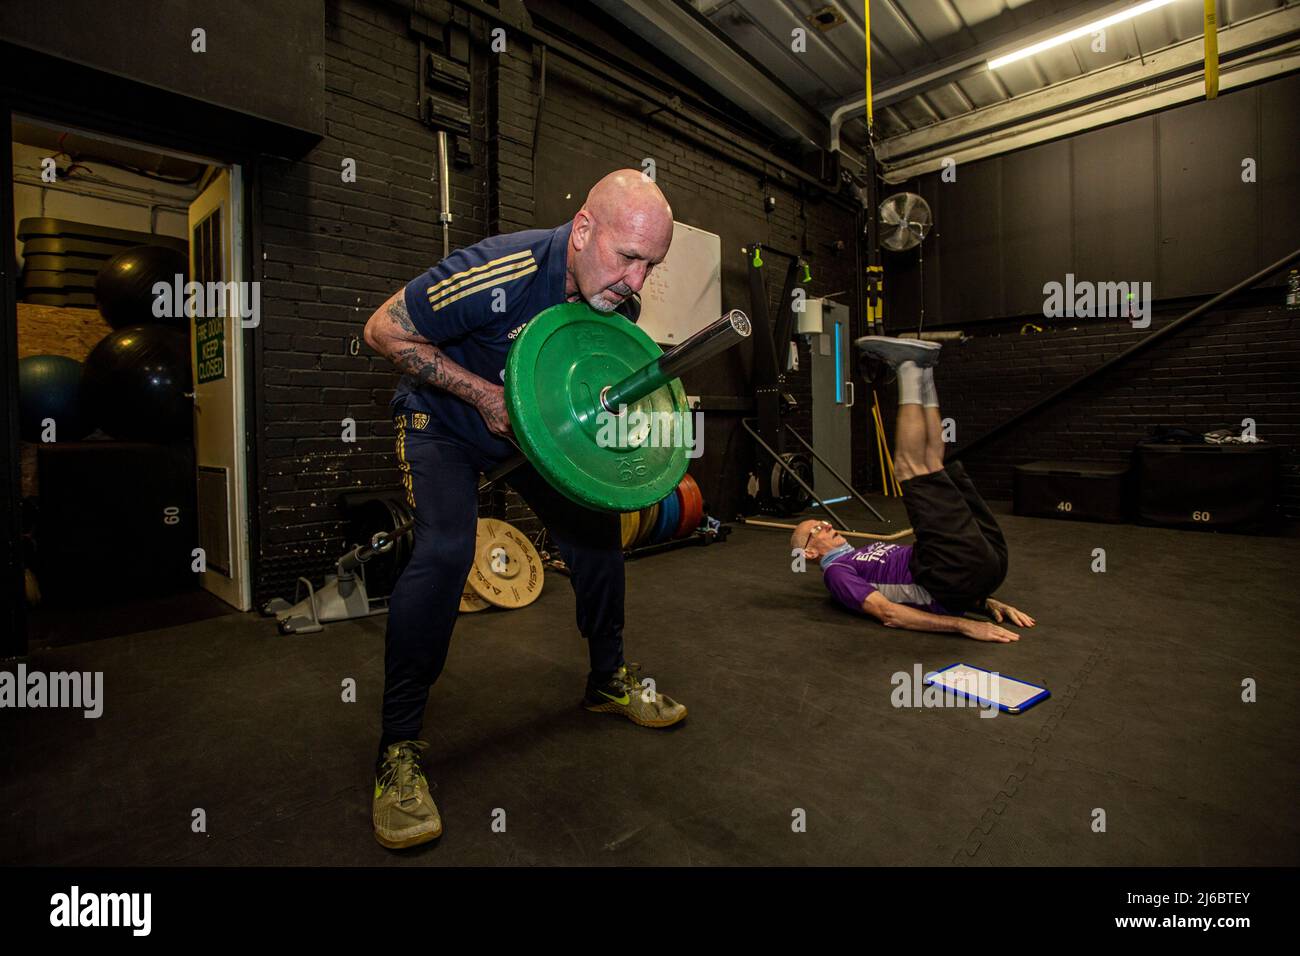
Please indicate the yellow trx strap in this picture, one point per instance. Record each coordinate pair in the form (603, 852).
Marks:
(1211, 52)
(866, 32)
(875, 299)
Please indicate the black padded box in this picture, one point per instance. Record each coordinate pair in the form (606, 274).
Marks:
(116, 519)
(1074, 490)
(1205, 485)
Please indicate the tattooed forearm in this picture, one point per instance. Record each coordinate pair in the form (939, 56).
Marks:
(431, 366)
(392, 333)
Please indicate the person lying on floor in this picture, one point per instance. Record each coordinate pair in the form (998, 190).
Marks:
(960, 556)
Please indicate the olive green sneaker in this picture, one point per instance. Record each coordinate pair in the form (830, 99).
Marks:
(627, 693)
(404, 814)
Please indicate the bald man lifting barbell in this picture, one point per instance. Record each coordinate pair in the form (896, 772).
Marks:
(450, 332)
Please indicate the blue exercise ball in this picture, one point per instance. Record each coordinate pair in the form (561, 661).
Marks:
(49, 387)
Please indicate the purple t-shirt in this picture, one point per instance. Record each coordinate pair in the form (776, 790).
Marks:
(878, 567)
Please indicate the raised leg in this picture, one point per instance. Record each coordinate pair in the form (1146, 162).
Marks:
(918, 443)
(934, 443)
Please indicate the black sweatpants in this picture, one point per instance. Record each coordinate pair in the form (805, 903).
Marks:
(960, 556)
(441, 478)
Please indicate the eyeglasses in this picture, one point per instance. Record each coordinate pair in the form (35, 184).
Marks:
(817, 529)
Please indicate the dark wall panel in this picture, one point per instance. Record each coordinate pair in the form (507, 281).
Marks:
(1114, 203)
(1035, 217)
(264, 59)
(908, 306)
(1279, 171)
(968, 231)
(1156, 198)
(1209, 218)
(930, 283)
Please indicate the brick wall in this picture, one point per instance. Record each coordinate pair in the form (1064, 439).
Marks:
(330, 253)
(1227, 366)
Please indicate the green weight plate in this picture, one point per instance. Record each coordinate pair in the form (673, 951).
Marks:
(555, 372)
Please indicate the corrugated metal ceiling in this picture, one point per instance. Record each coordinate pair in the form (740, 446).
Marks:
(909, 37)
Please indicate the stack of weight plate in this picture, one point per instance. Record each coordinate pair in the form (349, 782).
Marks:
(61, 258)
(507, 570)
(677, 516)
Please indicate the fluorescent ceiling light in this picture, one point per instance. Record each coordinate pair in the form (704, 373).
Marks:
(1083, 31)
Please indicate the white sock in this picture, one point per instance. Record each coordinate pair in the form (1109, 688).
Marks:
(929, 394)
(909, 383)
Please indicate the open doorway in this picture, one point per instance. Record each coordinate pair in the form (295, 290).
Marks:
(130, 380)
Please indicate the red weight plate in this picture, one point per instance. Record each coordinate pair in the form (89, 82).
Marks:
(692, 506)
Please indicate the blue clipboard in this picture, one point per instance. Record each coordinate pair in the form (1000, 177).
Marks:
(1035, 693)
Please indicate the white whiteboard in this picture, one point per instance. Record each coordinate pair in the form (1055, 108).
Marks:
(684, 292)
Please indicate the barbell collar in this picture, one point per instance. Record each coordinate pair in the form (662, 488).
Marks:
(717, 337)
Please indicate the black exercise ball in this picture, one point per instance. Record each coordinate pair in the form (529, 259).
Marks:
(135, 384)
(124, 288)
(49, 386)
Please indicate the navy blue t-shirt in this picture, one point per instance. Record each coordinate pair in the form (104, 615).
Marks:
(472, 305)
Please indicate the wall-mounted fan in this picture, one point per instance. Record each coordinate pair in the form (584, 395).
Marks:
(904, 221)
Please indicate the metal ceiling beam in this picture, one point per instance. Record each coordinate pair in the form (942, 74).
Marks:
(969, 61)
(648, 88)
(1241, 73)
(818, 39)
(1088, 117)
(1048, 107)
(692, 41)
